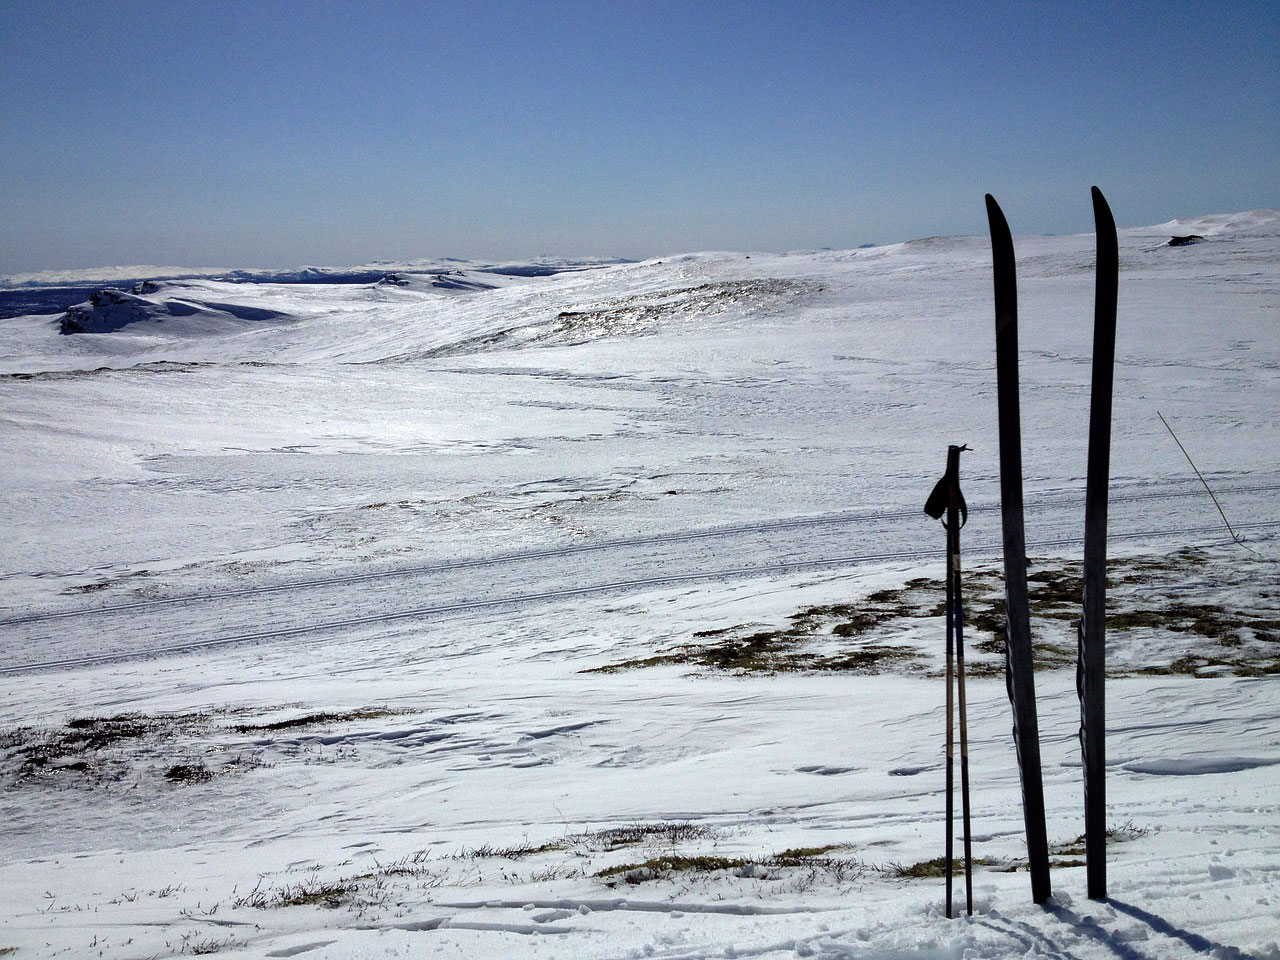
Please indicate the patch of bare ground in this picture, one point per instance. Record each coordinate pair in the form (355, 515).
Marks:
(365, 891)
(1213, 617)
(93, 749)
(636, 315)
(661, 854)
(663, 834)
(933, 869)
(828, 638)
(173, 749)
(1064, 854)
(315, 720)
(805, 865)
(1220, 621)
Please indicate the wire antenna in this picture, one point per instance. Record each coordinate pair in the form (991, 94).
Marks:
(1234, 536)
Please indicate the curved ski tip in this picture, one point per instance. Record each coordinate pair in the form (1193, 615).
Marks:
(995, 216)
(1101, 209)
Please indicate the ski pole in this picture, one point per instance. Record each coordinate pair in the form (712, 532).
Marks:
(953, 529)
(951, 813)
(947, 498)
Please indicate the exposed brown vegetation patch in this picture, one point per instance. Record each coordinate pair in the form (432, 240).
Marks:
(315, 720)
(174, 749)
(487, 851)
(188, 773)
(668, 864)
(368, 889)
(931, 869)
(635, 315)
(87, 744)
(1120, 834)
(806, 864)
(663, 833)
(828, 638)
(1222, 620)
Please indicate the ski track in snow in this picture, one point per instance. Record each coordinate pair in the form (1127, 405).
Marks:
(357, 556)
(132, 649)
(662, 539)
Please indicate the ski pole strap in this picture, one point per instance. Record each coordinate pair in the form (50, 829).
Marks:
(947, 488)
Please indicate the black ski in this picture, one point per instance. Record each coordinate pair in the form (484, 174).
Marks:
(1020, 675)
(1091, 664)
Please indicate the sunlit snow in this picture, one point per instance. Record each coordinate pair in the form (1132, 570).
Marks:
(307, 588)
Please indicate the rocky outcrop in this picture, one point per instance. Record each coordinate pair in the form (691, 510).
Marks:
(182, 309)
(107, 310)
(452, 280)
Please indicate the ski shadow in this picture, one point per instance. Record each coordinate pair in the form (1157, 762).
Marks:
(1193, 940)
(1126, 951)
(1090, 927)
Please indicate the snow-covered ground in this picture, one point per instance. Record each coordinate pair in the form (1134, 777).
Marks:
(595, 614)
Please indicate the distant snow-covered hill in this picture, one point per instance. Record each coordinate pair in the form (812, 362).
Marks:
(362, 273)
(54, 291)
(418, 309)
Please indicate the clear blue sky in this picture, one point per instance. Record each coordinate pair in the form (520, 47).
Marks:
(276, 134)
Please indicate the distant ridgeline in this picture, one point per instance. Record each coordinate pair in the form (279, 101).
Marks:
(47, 298)
(57, 299)
(27, 300)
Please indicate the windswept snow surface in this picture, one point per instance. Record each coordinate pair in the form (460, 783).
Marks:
(306, 587)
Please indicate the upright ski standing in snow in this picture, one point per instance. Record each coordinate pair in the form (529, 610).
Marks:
(1020, 671)
(1091, 664)
(946, 499)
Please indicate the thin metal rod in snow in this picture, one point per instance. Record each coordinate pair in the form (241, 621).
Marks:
(1234, 536)
(947, 499)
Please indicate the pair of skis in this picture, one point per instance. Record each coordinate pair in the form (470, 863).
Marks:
(947, 500)
(1090, 674)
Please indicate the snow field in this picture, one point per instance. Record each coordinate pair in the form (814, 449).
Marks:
(397, 530)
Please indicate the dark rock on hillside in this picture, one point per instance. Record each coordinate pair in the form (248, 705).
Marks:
(108, 309)
(1186, 241)
(450, 280)
(111, 309)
